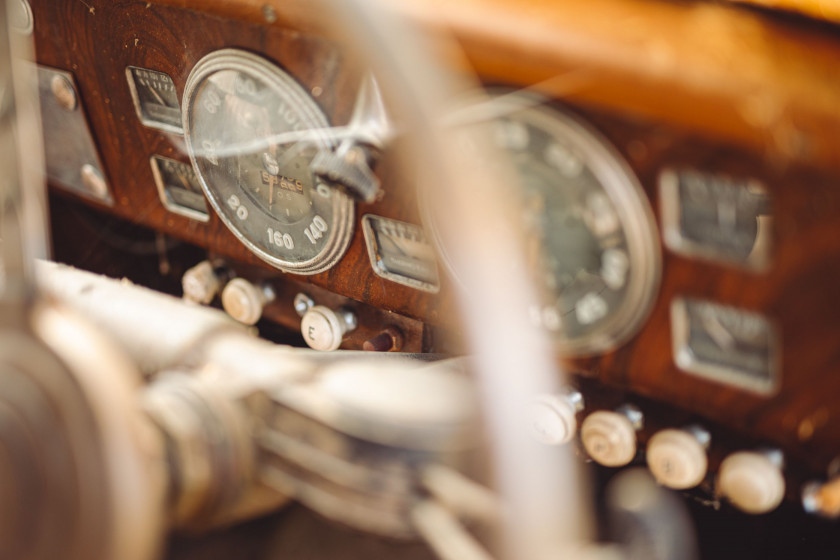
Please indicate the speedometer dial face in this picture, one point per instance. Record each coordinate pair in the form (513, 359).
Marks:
(591, 225)
(252, 132)
(590, 231)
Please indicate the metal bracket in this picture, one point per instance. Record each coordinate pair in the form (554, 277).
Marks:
(72, 158)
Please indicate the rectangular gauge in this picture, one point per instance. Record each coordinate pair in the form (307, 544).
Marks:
(155, 99)
(726, 344)
(716, 218)
(399, 252)
(179, 189)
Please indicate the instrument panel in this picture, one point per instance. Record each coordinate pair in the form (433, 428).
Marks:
(697, 258)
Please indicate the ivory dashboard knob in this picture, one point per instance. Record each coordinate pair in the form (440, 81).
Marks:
(609, 438)
(324, 329)
(201, 283)
(677, 459)
(553, 418)
(751, 481)
(245, 301)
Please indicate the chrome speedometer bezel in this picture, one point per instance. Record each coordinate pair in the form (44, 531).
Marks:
(632, 205)
(637, 222)
(340, 233)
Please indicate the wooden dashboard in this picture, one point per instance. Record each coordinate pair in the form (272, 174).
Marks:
(717, 88)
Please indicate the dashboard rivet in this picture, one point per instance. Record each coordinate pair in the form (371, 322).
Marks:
(64, 93)
(93, 181)
(269, 13)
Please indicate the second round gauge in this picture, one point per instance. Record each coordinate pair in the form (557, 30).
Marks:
(591, 238)
(252, 132)
(592, 225)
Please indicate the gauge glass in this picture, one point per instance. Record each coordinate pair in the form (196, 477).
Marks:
(179, 189)
(716, 217)
(726, 344)
(155, 99)
(252, 132)
(590, 230)
(399, 252)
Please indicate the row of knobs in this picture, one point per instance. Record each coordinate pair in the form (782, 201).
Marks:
(677, 458)
(322, 328)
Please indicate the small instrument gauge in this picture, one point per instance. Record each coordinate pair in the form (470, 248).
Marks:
(252, 131)
(155, 99)
(726, 344)
(592, 234)
(399, 252)
(179, 189)
(716, 217)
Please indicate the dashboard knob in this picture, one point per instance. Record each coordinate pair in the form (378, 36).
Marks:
(245, 301)
(822, 498)
(201, 283)
(553, 418)
(609, 438)
(677, 459)
(324, 329)
(752, 481)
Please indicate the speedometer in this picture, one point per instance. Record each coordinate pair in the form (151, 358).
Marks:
(252, 131)
(592, 239)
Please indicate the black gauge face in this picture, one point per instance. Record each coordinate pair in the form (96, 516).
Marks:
(252, 132)
(590, 230)
(716, 217)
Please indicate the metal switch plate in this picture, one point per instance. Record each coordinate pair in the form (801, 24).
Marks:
(72, 158)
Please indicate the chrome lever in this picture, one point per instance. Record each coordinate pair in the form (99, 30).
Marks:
(368, 133)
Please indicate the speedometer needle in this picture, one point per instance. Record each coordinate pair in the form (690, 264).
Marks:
(717, 332)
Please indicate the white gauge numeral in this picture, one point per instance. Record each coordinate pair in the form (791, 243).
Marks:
(602, 217)
(512, 135)
(236, 205)
(614, 266)
(244, 85)
(563, 160)
(281, 240)
(212, 102)
(316, 230)
(590, 308)
(209, 154)
(290, 116)
(546, 317)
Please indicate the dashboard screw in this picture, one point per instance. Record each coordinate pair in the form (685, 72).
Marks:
(64, 93)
